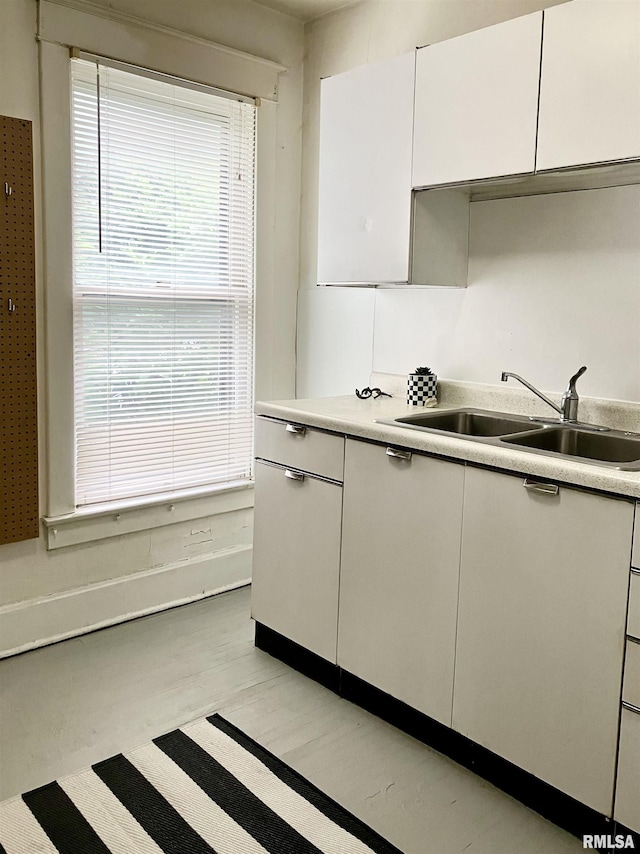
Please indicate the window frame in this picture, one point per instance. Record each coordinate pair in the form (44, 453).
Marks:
(64, 523)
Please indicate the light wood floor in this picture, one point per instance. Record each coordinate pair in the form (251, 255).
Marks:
(67, 706)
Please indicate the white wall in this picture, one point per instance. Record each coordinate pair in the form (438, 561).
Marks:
(31, 575)
(554, 281)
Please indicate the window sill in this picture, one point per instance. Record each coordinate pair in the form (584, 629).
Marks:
(126, 517)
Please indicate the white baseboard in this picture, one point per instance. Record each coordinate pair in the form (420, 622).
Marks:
(38, 622)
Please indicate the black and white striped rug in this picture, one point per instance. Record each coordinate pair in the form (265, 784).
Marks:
(203, 788)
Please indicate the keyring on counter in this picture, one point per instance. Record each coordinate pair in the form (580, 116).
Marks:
(371, 392)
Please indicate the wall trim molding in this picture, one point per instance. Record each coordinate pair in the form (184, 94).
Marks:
(97, 522)
(89, 27)
(116, 15)
(38, 622)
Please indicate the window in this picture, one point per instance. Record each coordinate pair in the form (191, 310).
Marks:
(163, 251)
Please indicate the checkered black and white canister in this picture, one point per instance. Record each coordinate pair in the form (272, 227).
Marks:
(420, 388)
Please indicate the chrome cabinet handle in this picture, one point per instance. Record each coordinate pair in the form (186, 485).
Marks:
(543, 488)
(293, 475)
(299, 429)
(630, 707)
(399, 455)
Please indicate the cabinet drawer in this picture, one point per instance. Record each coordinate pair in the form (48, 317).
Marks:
(299, 447)
(631, 687)
(627, 808)
(633, 624)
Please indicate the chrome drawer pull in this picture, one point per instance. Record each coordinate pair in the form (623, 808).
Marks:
(399, 455)
(544, 488)
(298, 429)
(630, 707)
(293, 475)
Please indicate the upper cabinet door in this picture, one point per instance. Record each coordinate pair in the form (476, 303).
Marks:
(590, 87)
(366, 125)
(476, 104)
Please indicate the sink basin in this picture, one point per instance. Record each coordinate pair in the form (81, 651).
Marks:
(614, 449)
(468, 422)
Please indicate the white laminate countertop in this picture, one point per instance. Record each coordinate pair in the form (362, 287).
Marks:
(354, 417)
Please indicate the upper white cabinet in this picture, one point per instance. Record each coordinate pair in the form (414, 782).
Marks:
(476, 104)
(590, 87)
(492, 110)
(364, 215)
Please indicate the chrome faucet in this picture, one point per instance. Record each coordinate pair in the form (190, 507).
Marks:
(568, 408)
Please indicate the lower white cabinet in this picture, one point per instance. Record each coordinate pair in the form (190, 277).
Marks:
(627, 809)
(399, 575)
(492, 603)
(296, 556)
(631, 684)
(633, 623)
(541, 629)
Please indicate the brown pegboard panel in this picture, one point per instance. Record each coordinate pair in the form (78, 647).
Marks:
(18, 389)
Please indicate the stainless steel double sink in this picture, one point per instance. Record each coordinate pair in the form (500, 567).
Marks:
(613, 448)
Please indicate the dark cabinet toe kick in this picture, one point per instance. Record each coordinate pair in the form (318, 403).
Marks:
(546, 800)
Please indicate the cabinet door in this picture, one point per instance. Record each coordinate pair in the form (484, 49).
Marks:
(366, 124)
(399, 574)
(590, 87)
(296, 557)
(541, 630)
(627, 809)
(476, 104)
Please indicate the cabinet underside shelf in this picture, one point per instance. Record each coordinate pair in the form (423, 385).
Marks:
(592, 176)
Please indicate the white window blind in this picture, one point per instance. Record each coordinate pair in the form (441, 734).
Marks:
(163, 203)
